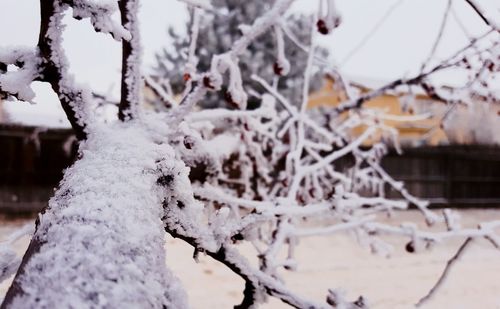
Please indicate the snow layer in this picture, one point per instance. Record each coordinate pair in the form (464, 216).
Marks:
(102, 237)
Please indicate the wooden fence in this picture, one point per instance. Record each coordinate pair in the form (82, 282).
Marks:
(31, 164)
(455, 175)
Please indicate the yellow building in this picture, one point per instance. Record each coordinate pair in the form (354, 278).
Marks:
(427, 131)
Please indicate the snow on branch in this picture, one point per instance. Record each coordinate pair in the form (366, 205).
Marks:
(165, 97)
(202, 4)
(282, 65)
(260, 25)
(250, 196)
(131, 81)
(19, 67)
(16, 81)
(100, 16)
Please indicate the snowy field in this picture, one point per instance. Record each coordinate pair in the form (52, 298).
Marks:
(337, 261)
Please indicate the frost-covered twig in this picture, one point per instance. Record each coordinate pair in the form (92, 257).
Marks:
(162, 94)
(100, 16)
(131, 80)
(256, 282)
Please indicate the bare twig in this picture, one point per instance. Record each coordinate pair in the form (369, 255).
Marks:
(481, 14)
(445, 273)
(372, 31)
(438, 37)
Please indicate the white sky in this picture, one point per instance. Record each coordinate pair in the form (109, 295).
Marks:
(398, 47)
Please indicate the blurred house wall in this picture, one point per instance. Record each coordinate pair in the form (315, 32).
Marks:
(422, 132)
(464, 124)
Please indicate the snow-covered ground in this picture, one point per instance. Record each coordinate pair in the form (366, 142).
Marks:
(337, 261)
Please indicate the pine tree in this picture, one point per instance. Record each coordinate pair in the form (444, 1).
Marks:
(220, 29)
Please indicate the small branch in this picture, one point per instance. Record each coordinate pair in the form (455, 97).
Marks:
(163, 95)
(195, 30)
(417, 80)
(445, 273)
(439, 36)
(260, 26)
(255, 280)
(373, 30)
(479, 12)
(131, 82)
(54, 69)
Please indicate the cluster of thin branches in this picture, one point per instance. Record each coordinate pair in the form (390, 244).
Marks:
(261, 172)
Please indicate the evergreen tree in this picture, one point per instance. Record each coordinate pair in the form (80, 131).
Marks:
(219, 29)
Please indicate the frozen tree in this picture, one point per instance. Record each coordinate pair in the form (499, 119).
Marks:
(222, 25)
(217, 177)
